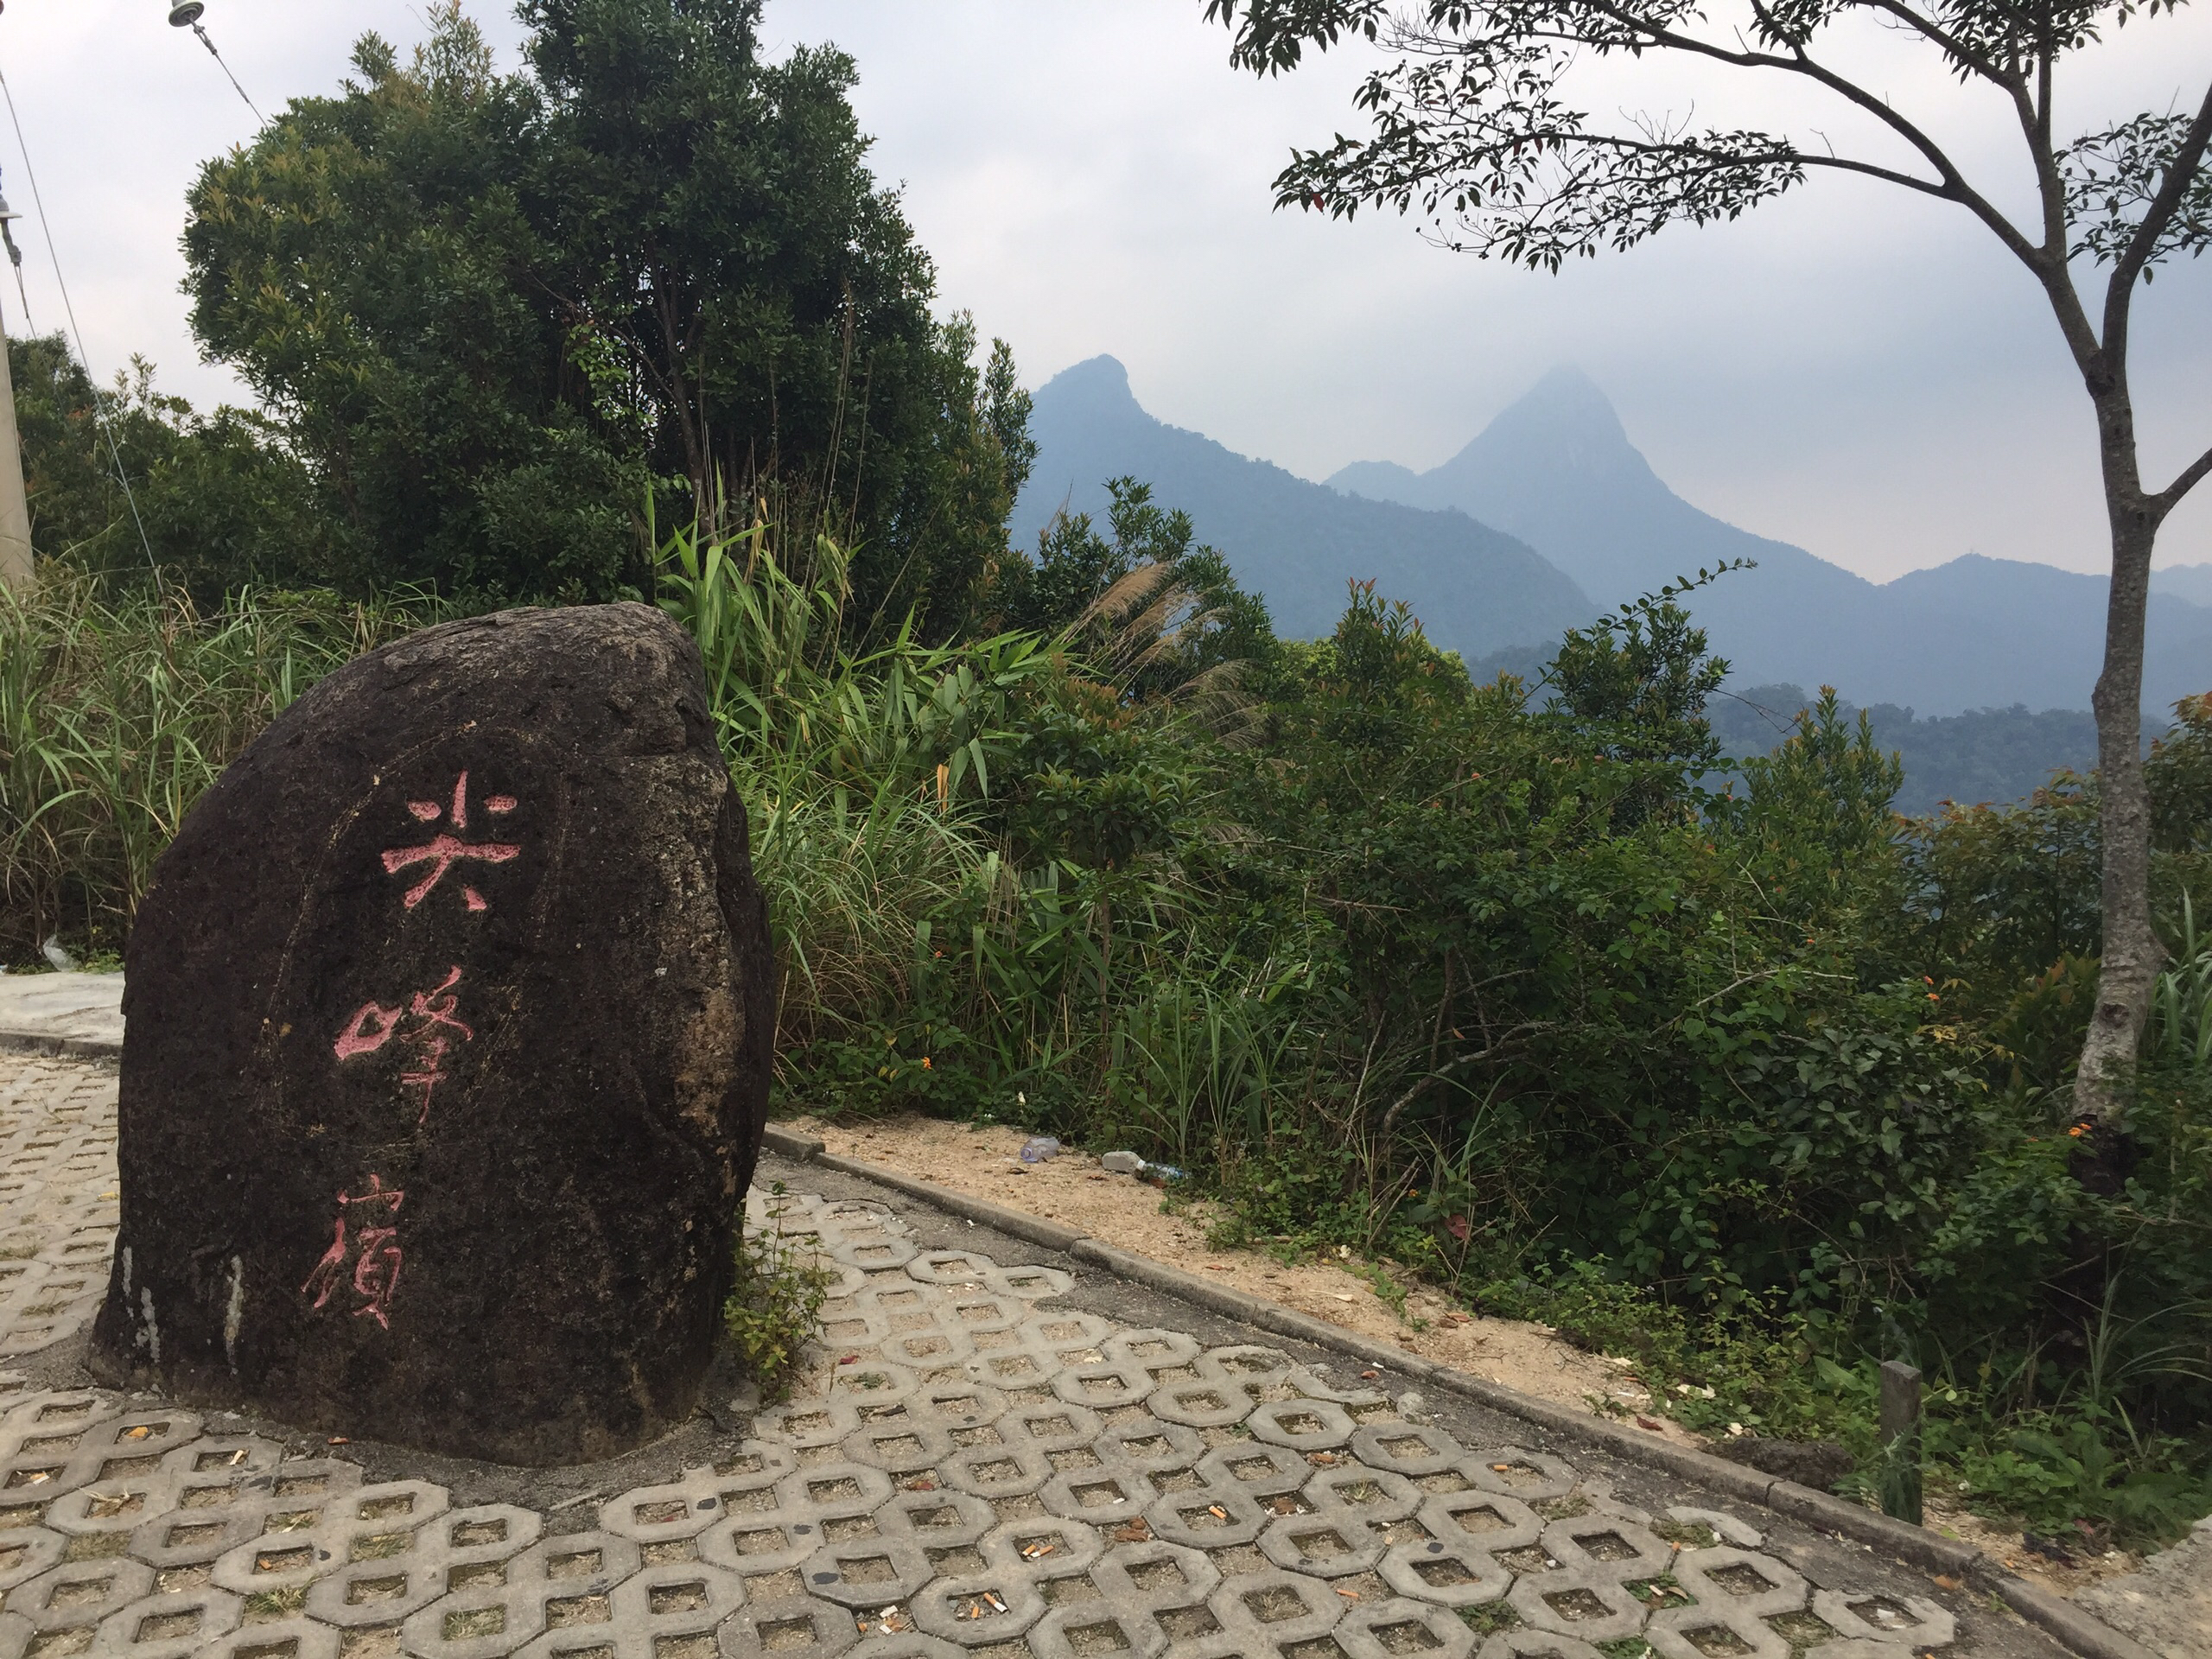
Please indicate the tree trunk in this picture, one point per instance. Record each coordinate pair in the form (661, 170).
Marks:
(2132, 954)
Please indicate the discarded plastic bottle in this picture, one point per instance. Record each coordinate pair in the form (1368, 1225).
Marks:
(1039, 1149)
(1163, 1174)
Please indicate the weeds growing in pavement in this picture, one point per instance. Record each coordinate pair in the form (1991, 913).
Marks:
(775, 1306)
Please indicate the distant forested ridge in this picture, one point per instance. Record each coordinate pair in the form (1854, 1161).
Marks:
(1983, 757)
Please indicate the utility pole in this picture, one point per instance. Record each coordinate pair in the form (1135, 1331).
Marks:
(15, 511)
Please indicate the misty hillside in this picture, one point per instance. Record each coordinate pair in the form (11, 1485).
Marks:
(1295, 543)
(1557, 470)
(2190, 581)
(1985, 756)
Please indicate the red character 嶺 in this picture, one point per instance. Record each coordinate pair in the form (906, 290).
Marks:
(374, 1251)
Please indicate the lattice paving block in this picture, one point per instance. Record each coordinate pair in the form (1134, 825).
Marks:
(1587, 1602)
(84, 1592)
(1256, 1469)
(224, 1504)
(172, 1626)
(1150, 1347)
(871, 1381)
(1699, 1632)
(1910, 1621)
(1330, 1543)
(1723, 1526)
(1004, 1470)
(1203, 1403)
(1536, 1645)
(980, 1609)
(1608, 1545)
(1405, 1449)
(1756, 1585)
(1486, 1520)
(1095, 1629)
(1454, 1574)
(653, 1515)
(1207, 1517)
(802, 1627)
(26, 1551)
(1276, 1607)
(1398, 1628)
(1529, 1476)
(291, 1638)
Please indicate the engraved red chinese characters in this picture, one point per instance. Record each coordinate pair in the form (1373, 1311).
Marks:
(448, 849)
(422, 1025)
(373, 1249)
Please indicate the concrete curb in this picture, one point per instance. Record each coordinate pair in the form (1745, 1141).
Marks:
(75, 1048)
(2060, 1618)
(1915, 1546)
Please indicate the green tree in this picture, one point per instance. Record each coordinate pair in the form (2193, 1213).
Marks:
(221, 501)
(495, 314)
(1475, 128)
(1183, 594)
(370, 265)
(760, 302)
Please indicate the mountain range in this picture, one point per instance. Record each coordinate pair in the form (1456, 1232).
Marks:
(1551, 515)
(1295, 543)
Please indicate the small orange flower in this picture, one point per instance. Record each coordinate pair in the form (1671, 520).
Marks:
(926, 1062)
(2078, 1131)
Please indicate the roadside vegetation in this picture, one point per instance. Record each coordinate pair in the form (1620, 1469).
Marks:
(1757, 1087)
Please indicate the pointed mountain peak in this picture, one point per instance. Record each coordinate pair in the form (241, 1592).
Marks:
(1099, 383)
(1565, 406)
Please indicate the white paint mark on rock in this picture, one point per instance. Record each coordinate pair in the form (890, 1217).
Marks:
(150, 1337)
(234, 1315)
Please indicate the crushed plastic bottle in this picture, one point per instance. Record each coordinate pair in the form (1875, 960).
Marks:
(1039, 1149)
(62, 961)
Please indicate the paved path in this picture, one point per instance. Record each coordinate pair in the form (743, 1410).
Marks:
(77, 1007)
(985, 1460)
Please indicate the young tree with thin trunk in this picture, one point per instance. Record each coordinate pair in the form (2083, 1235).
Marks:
(1475, 128)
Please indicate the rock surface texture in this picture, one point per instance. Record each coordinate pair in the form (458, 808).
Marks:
(2168, 1606)
(449, 1020)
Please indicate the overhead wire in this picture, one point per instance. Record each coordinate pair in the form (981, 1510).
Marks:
(208, 42)
(100, 404)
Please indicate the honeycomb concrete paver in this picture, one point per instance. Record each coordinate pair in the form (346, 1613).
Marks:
(980, 1472)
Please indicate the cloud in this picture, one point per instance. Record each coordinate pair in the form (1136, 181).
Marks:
(1860, 373)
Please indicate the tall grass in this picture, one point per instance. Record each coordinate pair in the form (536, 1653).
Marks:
(864, 772)
(2180, 1030)
(116, 709)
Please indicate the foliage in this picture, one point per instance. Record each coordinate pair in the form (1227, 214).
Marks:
(218, 498)
(492, 314)
(1990, 756)
(1067, 586)
(1752, 1086)
(116, 709)
(775, 1306)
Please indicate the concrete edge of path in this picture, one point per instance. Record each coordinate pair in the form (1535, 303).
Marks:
(2054, 1615)
(73, 1048)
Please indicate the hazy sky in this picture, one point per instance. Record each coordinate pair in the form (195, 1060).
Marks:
(1851, 370)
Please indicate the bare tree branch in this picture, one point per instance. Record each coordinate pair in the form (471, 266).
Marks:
(2190, 476)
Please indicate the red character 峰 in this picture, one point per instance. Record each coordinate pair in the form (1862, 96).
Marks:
(374, 1251)
(447, 849)
(374, 1026)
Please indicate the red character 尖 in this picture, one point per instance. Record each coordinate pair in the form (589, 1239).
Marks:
(447, 849)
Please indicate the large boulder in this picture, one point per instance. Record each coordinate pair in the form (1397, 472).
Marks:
(449, 1020)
